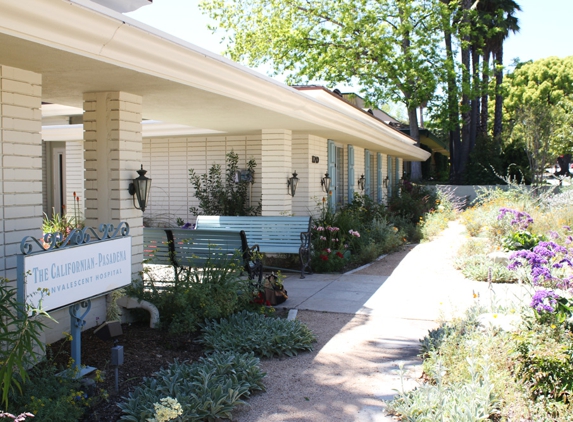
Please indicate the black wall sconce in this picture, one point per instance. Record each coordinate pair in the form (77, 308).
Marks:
(385, 182)
(292, 183)
(361, 182)
(325, 182)
(140, 187)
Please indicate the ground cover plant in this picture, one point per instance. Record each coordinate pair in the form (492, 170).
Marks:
(249, 332)
(206, 390)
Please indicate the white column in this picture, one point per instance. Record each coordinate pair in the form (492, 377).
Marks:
(20, 163)
(113, 154)
(276, 167)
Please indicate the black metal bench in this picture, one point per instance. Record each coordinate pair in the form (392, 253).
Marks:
(289, 235)
(183, 248)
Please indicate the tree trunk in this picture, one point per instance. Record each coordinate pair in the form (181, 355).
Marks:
(485, 94)
(475, 99)
(416, 170)
(563, 161)
(465, 105)
(498, 115)
(452, 95)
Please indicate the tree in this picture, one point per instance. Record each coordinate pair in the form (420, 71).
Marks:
(539, 111)
(543, 130)
(499, 19)
(390, 48)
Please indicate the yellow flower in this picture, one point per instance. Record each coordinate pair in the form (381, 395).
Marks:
(553, 326)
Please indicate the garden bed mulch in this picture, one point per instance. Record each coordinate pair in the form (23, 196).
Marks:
(145, 351)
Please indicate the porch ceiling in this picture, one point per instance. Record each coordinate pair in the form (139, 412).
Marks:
(79, 47)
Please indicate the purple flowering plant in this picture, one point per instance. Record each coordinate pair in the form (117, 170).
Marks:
(548, 264)
(519, 219)
(519, 237)
(550, 306)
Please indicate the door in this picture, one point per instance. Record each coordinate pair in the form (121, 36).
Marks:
(58, 180)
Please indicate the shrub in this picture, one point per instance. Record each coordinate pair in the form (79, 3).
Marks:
(356, 233)
(215, 291)
(52, 397)
(412, 201)
(20, 340)
(205, 390)
(469, 371)
(247, 332)
(544, 362)
(224, 196)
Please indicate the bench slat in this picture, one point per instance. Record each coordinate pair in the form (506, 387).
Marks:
(273, 234)
(194, 248)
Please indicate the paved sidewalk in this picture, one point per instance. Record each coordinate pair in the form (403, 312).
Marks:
(393, 312)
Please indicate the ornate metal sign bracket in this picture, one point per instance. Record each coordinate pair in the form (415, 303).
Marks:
(77, 324)
(30, 246)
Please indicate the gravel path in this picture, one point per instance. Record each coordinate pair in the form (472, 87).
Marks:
(355, 363)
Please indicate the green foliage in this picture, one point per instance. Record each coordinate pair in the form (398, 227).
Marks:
(360, 231)
(544, 362)
(51, 397)
(412, 202)
(20, 340)
(480, 268)
(434, 339)
(436, 220)
(485, 162)
(215, 291)
(247, 332)
(207, 390)
(521, 239)
(539, 108)
(224, 195)
(470, 401)
(338, 42)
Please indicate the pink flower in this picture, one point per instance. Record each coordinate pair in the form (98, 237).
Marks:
(322, 238)
(320, 229)
(328, 250)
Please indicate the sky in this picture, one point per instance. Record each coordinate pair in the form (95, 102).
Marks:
(546, 28)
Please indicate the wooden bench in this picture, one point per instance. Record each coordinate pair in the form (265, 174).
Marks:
(288, 235)
(182, 248)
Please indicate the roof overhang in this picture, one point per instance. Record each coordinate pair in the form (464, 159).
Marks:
(81, 47)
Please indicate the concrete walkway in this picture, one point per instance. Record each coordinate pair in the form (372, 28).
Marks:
(395, 310)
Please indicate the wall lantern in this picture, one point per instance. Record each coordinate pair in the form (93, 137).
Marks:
(292, 182)
(385, 182)
(325, 182)
(140, 187)
(361, 182)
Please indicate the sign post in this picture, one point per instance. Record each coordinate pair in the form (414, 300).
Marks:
(71, 270)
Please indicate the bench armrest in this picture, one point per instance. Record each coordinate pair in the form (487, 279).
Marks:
(305, 238)
(254, 263)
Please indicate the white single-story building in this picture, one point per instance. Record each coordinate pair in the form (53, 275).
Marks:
(88, 95)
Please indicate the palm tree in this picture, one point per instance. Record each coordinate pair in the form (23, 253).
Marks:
(499, 17)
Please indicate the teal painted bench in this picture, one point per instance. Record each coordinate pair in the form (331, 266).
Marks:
(183, 248)
(288, 235)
